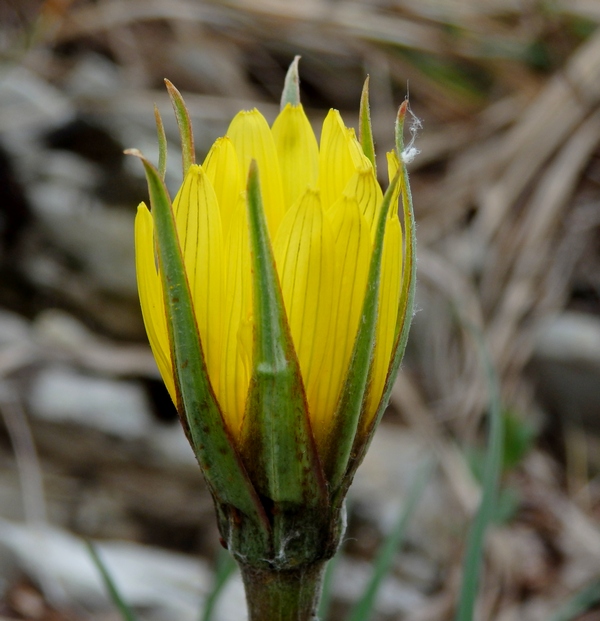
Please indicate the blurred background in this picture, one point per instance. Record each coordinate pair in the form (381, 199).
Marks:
(507, 196)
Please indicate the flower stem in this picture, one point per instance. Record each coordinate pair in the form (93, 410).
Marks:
(288, 595)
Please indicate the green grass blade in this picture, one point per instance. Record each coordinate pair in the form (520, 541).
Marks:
(225, 568)
(491, 478)
(581, 602)
(111, 587)
(385, 556)
(327, 590)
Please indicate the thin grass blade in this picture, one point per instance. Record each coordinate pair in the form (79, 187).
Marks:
(225, 568)
(385, 556)
(327, 590)
(123, 608)
(472, 563)
(580, 603)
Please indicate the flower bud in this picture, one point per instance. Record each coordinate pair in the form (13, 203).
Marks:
(276, 291)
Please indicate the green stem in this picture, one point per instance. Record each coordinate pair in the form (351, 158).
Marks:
(288, 595)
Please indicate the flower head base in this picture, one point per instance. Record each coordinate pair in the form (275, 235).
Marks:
(277, 293)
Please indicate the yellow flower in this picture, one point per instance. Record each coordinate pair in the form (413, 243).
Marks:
(277, 294)
(321, 203)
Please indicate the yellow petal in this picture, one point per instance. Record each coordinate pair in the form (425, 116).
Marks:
(222, 169)
(352, 257)
(340, 155)
(252, 138)
(392, 164)
(199, 228)
(298, 152)
(151, 297)
(389, 300)
(365, 189)
(236, 361)
(304, 254)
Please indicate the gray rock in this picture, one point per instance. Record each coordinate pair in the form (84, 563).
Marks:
(572, 338)
(232, 602)
(163, 585)
(11, 498)
(62, 395)
(14, 329)
(57, 329)
(383, 481)
(566, 368)
(94, 77)
(29, 103)
(169, 445)
(63, 168)
(100, 238)
(394, 597)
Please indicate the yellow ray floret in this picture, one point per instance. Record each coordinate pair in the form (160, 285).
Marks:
(322, 204)
(365, 189)
(352, 256)
(198, 224)
(223, 171)
(151, 296)
(389, 300)
(298, 152)
(236, 361)
(340, 155)
(304, 254)
(253, 140)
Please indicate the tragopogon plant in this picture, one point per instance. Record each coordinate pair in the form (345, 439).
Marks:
(277, 292)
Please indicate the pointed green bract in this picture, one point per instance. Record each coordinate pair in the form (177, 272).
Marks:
(409, 271)
(277, 441)
(365, 129)
(399, 129)
(162, 144)
(405, 309)
(184, 123)
(291, 86)
(211, 442)
(346, 419)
